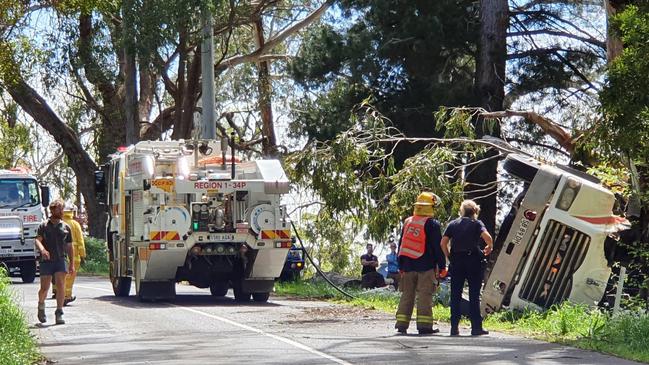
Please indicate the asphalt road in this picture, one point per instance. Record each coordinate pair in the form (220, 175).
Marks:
(200, 329)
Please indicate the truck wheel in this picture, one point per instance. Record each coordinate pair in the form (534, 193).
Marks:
(28, 271)
(240, 295)
(260, 297)
(521, 167)
(219, 288)
(121, 286)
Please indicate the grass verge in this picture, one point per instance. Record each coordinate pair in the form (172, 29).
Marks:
(17, 346)
(625, 335)
(386, 301)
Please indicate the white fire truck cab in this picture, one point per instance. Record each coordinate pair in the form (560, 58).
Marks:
(187, 211)
(21, 211)
(554, 241)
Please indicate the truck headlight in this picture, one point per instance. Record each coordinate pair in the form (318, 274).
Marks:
(568, 194)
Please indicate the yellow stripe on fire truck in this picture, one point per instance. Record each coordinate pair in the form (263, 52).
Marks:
(282, 234)
(164, 236)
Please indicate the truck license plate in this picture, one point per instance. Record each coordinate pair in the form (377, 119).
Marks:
(4, 251)
(223, 237)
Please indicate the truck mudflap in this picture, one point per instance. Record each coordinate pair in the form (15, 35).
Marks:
(156, 290)
(511, 258)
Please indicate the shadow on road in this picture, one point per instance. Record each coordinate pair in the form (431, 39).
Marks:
(184, 300)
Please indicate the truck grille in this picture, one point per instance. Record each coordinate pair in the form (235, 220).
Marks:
(562, 250)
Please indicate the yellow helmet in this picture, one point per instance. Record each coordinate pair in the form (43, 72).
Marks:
(428, 199)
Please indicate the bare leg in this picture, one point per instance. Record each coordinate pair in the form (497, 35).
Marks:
(46, 280)
(45, 287)
(59, 279)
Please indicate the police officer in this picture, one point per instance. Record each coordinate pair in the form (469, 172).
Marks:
(419, 261)
(466, 257)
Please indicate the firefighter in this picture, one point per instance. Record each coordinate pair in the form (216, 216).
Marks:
(466, 256)
(79, 249)
(420, 259)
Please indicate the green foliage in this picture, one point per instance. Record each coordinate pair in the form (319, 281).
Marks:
(625, 100)
(356, 177)
(623, 134)
(408, 57)
(329, 243)
(613, 176)
(15, 141)
(18, 345)
(96, 256)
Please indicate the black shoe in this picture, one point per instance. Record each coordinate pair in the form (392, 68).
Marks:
(481, 332)
(69, 300)
(455, 331)
(428, 331)
(402, 331)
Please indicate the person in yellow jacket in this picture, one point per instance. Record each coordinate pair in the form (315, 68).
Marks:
(420, 261)
(79, 249)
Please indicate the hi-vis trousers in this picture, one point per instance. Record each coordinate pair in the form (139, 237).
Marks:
(69, 278)
(421, 284)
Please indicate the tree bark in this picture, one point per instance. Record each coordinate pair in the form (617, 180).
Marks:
(490, 80)
(80, 161)
(550, 128)
(614, 45)
(269, 141)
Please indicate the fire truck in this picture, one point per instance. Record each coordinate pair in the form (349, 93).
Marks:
(189, 211)
(22, 202)
(557, 240)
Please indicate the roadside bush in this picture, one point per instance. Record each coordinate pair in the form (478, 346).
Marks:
(17, 346)
(96, 257)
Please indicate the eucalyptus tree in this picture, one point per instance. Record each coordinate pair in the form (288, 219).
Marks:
(134, 64)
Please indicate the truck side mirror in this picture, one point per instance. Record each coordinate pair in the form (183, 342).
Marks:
(45, 195)
(100, 187)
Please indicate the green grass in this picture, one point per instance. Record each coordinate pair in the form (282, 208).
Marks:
(17, 346)
(383, 301)
(625, 335)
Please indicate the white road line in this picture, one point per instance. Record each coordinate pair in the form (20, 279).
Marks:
(248, 328)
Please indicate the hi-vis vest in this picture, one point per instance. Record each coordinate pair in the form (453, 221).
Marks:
(413, 242)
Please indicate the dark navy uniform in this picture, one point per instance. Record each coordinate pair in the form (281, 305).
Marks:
(466, 265)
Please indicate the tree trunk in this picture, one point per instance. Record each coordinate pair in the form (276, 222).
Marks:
(80, 162)
(490, 79)
(269, 142)
(613, 43)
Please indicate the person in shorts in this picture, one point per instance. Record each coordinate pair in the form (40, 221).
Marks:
(54, 242)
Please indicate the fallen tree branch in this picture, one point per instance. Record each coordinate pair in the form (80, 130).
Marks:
(551, 128)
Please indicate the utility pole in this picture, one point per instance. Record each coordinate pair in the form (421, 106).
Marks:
(130, 75)
(208, 129)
